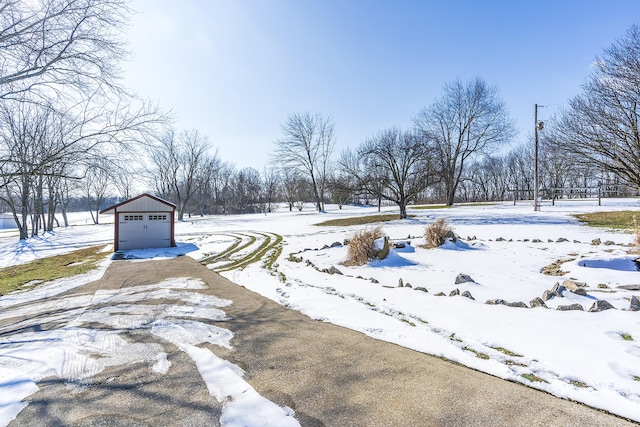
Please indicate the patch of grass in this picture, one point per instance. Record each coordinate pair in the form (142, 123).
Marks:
(46, 269)
(621, 220)
(553, 269)
(626, 336)
(636, 378)
(477, 353)
(360, 220)
(428, 207)
(533, 378)
(513, 363)
(579, 384)
(453, 337)
(507, 352)
(408, 322)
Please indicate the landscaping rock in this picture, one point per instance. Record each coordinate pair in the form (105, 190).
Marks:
(572, 285)
(421, 288)
(519, 304)
(374, 280)
(537, 302)
(400, 283)
(603, 286)
(454, 292)
(495, 302)
(450, 235)
(630, 287)
(336, 244)
(381, 246)
(609, 243)
(549, 240)
(577, 288)
(558, 289)
(601, 305)
(634, 304)
(463, 278)
(500, 239)
(407, 285)
(576, 241)
(536, 241)
(570, 307)
(334, 270)
(562, 240)
(467, 294)
(596, 242)
(440, 294)
(547, 295)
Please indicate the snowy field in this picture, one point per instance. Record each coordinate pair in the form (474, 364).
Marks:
(590, 357)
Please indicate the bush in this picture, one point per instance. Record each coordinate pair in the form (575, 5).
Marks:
(436, 234)
(361, 246)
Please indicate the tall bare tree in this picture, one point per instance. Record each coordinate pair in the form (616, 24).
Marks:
(393, 165)
(601, 126)
(467, 120)
(177, 163)
(307, 146)
(50, 46)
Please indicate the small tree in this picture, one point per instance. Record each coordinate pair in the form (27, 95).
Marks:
(306, 147)
(393, 165)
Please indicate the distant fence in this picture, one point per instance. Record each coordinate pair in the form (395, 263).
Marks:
(599, 192)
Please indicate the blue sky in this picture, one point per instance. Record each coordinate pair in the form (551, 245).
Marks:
(235, 69)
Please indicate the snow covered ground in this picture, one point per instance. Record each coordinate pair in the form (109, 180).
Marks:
(591, 357)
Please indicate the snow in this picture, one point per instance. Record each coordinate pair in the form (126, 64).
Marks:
(578, 355)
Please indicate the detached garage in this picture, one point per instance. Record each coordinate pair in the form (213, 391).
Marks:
(143, 222)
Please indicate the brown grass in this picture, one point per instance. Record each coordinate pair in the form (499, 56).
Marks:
(361, 248)
(435, 234)
(360, 220)
(51, 268)
(619, 220)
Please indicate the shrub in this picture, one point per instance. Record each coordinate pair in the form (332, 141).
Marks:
(361, 246)
(436, 234)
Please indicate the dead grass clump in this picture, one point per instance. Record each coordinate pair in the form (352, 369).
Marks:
(636, 232)
(361, 247)
(436, 234)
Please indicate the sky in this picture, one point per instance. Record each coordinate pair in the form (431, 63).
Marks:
(236, 69)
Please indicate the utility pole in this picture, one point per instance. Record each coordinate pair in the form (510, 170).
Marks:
(536, 179)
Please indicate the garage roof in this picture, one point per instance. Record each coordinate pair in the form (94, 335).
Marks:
(142, 203)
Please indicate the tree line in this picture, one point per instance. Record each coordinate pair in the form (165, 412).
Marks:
(69, 130)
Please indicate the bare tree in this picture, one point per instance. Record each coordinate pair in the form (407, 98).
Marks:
(466, 121)
(601, 126)
(393, 165)
(307, 147)
(177, 161)
(271, 188)
(50, 46)
(97, 183)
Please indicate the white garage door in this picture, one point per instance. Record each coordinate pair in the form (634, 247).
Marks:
(144, 230)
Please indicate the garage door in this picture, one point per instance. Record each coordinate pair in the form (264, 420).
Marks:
(144, 230)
